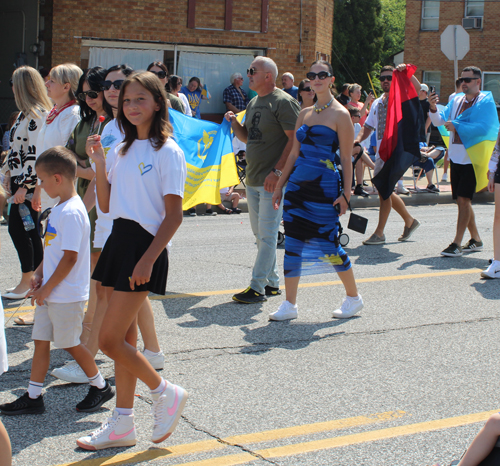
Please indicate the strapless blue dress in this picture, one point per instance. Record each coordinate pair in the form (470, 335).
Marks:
(311, 221)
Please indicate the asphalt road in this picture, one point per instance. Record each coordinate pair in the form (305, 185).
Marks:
(401, 384)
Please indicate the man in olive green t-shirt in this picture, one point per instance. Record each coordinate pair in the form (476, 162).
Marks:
(268, 131)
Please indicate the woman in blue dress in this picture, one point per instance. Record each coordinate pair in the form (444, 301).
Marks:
(314, 194)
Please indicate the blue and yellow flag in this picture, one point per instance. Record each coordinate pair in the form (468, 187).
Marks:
(478, 130)
(204, 92)
(208, 150)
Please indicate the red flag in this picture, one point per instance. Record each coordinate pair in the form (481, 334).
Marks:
(401, 91)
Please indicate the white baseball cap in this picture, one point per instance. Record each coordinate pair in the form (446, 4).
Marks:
(424, 87)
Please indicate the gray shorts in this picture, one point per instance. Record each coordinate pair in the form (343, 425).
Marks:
(60, 323)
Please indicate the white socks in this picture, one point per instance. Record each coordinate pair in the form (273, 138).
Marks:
(97, 381)
(125, 411)
(160, 387)
(34, 389)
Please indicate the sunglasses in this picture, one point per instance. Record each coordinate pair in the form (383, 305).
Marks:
(307, 89)
(91, 94)
(160, 74)
(42, 227)
(106, 85)
(321, 75)
(385, 78)
(357, 116)
(252, 71)
(11, 83)
(466, 80)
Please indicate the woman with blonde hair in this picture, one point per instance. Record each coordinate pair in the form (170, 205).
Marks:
(61, 121)
(34, 105)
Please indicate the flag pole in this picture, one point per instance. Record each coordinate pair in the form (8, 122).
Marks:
(373, 89)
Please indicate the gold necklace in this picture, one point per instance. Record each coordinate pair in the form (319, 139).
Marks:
(318, 110)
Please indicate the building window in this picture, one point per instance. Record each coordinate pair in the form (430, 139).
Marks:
(430, 16)
(432, 78)
(491, 82)
(474, 8)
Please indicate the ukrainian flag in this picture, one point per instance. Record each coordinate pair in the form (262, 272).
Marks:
(478, 130)
(209, 157)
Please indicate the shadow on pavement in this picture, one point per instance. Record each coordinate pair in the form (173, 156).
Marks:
(487, 288)
(373, 255)
(290, 335)
(225, 315)
(447, 263)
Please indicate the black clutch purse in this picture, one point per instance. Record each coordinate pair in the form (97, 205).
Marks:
(356, 222)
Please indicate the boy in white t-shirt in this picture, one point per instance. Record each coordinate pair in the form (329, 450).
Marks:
(60, 287)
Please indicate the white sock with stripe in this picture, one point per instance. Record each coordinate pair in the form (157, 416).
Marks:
(34, 389)
(97, 381)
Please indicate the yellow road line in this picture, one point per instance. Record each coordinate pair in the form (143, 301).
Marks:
(265, 436)
(336, 282)
(346, 440)
(301, 285)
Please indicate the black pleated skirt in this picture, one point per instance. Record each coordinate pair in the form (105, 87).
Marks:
(125, 246)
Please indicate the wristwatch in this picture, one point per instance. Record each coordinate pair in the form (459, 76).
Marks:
(277, 172)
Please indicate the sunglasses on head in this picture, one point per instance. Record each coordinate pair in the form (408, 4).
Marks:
(307, 89)
(466, 80)
(91, 94)
(252, 71)
(42, 228)
(321, 75)
(106, 85)
(385, 78)
(160, 74)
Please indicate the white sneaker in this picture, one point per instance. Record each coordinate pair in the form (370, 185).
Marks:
(402, 190)
(493, 271)
(167, 409)
(117, 431)
(156, 360)
(286, 311)
(350, 306)
(444, 177)
(70, 372)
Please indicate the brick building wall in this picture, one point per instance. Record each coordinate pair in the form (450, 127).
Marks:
(151, 21)
(423, 48)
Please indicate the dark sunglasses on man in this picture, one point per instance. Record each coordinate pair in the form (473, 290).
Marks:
(321, 75)
(466, 80)
(92, 94)
(106, 85)
(252, 71)
(160, 74)
(385, 78)
(43, 222)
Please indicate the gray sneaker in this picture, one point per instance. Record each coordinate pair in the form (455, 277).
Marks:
(374, 239)
(472, 246)
(453, 250)
(409, 231)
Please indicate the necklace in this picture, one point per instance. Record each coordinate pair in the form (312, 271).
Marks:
(318, 110)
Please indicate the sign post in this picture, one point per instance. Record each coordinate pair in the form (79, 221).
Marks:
(455, 44)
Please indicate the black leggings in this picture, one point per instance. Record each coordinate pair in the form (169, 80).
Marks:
(27, 243)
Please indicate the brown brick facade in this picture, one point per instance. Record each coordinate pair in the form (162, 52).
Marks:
(151, 21)
(423, 48)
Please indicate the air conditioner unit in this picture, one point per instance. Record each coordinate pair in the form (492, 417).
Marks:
(473, 23)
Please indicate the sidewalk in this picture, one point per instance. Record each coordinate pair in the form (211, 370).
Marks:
(421, 197)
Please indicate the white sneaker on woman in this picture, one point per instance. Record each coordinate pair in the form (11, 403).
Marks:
(350, 306)
(493, 271)
(286, 311)
(70, 372)
(167, 409)
(117, 431)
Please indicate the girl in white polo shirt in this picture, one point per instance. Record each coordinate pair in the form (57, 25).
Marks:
(143, 193)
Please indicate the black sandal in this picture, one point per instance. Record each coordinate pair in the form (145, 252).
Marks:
(228, 211)
(236, 210)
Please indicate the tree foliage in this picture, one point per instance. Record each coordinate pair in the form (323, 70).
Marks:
(358, 40)
(393, 23)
